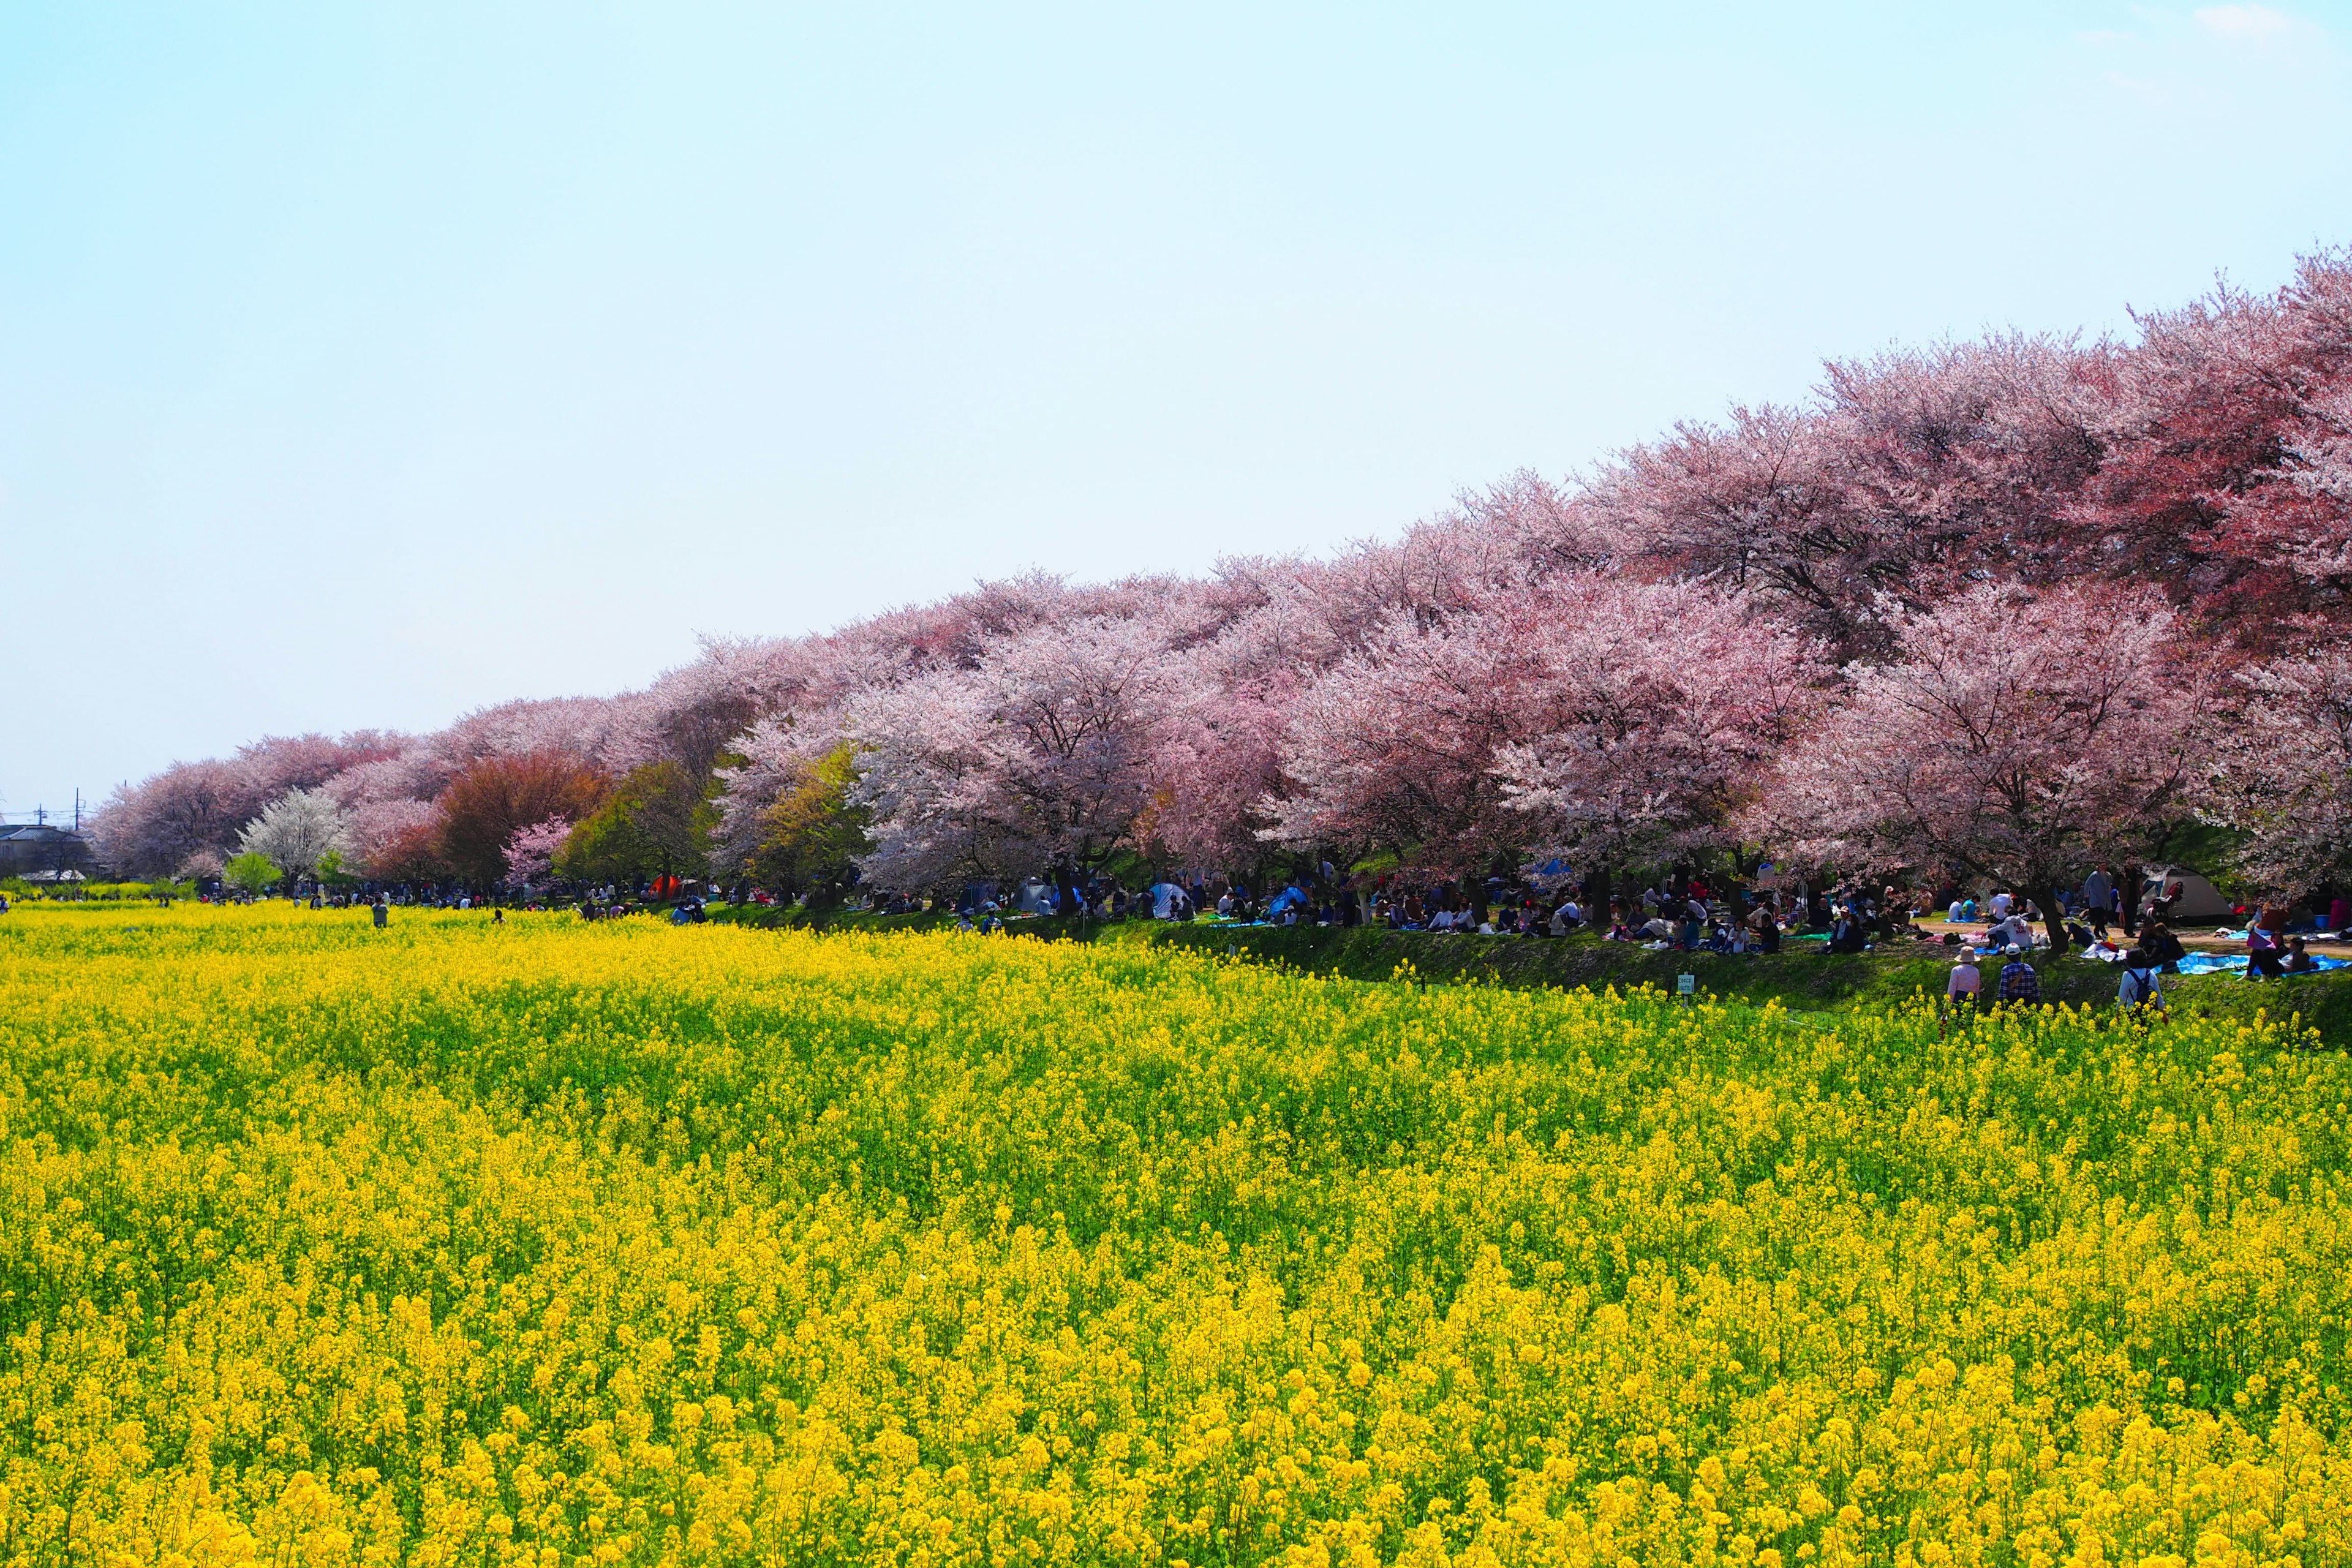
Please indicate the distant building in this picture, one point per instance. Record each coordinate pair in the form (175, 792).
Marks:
(42, 851)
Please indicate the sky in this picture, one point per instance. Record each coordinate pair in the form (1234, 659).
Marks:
(361, 365)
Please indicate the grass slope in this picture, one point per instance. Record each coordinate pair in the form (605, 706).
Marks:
(1801, 978)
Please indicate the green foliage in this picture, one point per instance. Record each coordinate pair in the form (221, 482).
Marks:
(330, 871)
(813, 834)
(250, 872)
(656, 822)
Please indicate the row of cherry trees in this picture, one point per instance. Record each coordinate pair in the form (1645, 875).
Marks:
(2002, 608)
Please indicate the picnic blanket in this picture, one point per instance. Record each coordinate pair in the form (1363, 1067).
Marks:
(2235, 963)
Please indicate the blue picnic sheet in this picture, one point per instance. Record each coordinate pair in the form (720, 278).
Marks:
(2235, 963)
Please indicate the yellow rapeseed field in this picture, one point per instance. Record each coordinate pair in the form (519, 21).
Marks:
(566, 1244)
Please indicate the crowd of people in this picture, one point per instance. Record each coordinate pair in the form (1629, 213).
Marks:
(1996, 933)
(1679, 911)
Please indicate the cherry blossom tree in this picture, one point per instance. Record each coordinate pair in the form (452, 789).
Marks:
(2017, 735)
(1392, 752)
(189, 812)
(394, 840)
(1371, 698)
(2221, 415)
(298, 830)
(2282, 768)
(1909, 471)
(1590, 716)
(154, 827)
(1660, 705)
(1047, 756)
(530, 851)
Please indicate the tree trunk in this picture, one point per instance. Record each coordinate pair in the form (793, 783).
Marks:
(2132, 884)
(1066, 889)
(2052, 921)
(1598, 907)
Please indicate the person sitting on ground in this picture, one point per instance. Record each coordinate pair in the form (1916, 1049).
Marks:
(1847, 935)
(2262, 953)
(2019, 982)
(1960, 989)
(2012, 930)
(2163, 948)
(1766, 927)
(2142, 984)
(1567, 918)
(2298, 959)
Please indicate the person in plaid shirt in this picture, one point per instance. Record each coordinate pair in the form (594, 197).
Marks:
(2019, 982)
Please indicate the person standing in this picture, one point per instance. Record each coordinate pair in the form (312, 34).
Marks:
(2099, 900)
(381, 913)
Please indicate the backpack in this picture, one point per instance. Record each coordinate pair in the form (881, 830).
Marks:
(2139, 984)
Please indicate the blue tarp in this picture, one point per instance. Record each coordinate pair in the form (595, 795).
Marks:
(2235, 963)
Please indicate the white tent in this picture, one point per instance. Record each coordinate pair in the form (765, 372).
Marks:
(2194, 898)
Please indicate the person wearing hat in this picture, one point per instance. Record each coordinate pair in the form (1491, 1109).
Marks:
(1960, 992)
(2019, 982)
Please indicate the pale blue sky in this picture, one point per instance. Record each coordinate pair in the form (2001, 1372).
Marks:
(360, 365)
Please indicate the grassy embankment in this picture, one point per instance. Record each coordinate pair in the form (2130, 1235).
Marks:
(1801, 978)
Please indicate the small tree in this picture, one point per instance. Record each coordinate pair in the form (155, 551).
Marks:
(656, 822)
(249, 873)
(813, 834)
